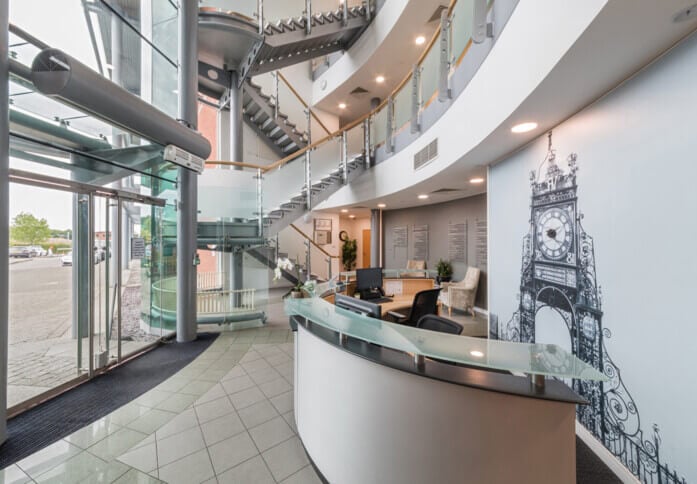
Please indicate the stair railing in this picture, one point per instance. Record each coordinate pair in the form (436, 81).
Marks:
(463, 23)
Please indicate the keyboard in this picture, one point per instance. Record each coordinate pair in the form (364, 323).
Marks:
(379, 300)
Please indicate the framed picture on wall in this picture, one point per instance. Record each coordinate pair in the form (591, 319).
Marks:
(323, 237)
(323, 224)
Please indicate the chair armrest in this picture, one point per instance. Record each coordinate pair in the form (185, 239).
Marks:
(445, 285)
(397, 317)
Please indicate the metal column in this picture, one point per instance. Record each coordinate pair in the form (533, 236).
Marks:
(187, 186)
(375, 237)
(236, 121)
(4, 210)
(237, 274)
(83, 259)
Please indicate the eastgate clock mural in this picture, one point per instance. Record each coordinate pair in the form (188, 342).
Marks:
(558, 273)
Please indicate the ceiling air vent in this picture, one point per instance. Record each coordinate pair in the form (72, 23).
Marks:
(447, 190)
(424, 156)
(359, 91)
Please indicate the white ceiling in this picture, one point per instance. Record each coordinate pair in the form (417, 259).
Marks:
(625, 36)
(393, 58)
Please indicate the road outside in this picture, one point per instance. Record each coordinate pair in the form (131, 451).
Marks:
(42, 351)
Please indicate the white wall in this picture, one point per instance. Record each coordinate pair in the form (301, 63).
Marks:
(636, 157)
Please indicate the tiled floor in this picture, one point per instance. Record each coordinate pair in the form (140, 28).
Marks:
(225, 418)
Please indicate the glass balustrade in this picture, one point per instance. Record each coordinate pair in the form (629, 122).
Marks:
(429, 76)
(281, 184)
(325, 159)
(228, 194)
(461, 25)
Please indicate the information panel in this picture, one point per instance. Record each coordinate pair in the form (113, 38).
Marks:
(481, 244)
(420, 242)
(457, 241)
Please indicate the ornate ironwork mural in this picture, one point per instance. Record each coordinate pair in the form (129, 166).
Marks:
(558, 272)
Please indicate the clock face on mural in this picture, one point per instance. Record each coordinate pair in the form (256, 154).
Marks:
(554, 233)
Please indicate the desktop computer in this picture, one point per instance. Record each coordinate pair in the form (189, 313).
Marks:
(369, 285)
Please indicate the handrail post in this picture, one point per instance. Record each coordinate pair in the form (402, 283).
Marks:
(344, 13)
(368, 11)
(389, 145)
(275, 96)
(260, 15)
(444, 65)
(308, 119)
(260, 203)
(366, 142)
(277, 249)
(481, 29)
(415, 98)
(329, 268)
(308, 17)
(308, 257)
(308, 181)
(344, 156)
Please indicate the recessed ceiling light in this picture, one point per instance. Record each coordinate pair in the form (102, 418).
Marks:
(423, 196)
(344, 210)
(381, 205)
(380, 79)
(476, 353)
(342, 105)
(477, 180)
(352, 216)
(523, 127)
(420, 40)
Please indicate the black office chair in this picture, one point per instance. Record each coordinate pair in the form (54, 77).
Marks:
(425, 302)
(440, 324)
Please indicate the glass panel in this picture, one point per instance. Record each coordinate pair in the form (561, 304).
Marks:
(461, 28)
(227, 194)
(42, 337)
(294, 110)
(355, 141)
(540, 359)
(429, 75)
(273, 9)
(103, 297)
(326, 158)
(402, 107)
(282, 184)
(378, 127)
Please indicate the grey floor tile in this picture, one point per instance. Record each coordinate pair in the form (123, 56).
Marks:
(306, 475)
(264, 375)
(192, 469)
(222, 428)
(258, 413)
(245, 398)
(286, 458)
(252, 471)
(283, 402)
(271, 433)
(231, 452)
(275, 387)
(214, 409)
(237, 384)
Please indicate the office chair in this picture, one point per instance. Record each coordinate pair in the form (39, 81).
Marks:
(425, 302)
(440, 324)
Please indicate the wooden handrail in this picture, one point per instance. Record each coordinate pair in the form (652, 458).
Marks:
(313, 242)
(353, 124)
(302, 101)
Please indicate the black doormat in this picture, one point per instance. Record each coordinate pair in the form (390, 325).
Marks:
(59, 417)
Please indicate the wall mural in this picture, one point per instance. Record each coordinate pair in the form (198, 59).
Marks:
(558, 272)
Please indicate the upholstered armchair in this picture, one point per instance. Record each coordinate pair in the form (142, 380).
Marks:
(415, 265)
(461, 295)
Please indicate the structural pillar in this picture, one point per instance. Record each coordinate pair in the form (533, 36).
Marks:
(83, 259)
(4, 211)
(236, 122)
(375, 229)
(237, 273)
(187, 204)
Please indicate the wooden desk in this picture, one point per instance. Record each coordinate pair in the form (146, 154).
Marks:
(399, 302)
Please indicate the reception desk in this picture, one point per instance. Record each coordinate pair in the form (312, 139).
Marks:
(377, 402)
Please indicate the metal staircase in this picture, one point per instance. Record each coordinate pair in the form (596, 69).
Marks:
(227, 236)
(261, 114)
(290, 41)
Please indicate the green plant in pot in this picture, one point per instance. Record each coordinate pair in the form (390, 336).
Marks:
(445, 271)
(348, 253)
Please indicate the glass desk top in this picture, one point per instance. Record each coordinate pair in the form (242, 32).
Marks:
(531, 358)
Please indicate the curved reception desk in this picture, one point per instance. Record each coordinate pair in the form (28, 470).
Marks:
(377, 402)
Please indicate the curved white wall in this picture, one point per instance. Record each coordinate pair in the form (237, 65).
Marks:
(521, 59)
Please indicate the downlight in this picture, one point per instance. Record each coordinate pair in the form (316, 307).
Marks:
(477, 180)
(524, 127)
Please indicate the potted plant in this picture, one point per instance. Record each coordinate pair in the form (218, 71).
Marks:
(300, 289)
(445, 271)
(348, 253)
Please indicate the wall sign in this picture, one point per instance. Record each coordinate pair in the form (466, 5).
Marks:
(457, 241)
(481, 246)
(399, 236)
(137, 248)
(420, 241)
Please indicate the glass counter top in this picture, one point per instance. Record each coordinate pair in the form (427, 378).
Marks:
(531, 358)
(395, 273)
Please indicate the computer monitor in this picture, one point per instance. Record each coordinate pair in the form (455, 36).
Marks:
(369, 279)
(359, 306)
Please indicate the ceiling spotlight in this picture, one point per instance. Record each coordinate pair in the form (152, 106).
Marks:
(476, 353)
(477, 180)
(342, 105)
(352, 216)
(381, 205)
(380, 79)
(420, 40)
(523, 127)
(423, 196)
(344, 210)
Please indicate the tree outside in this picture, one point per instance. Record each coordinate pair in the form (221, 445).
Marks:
(27, 229)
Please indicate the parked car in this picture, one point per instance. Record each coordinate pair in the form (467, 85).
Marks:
(67, 259)
(21, 252)
(38, 251)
